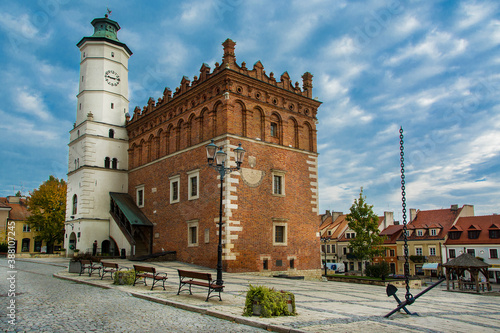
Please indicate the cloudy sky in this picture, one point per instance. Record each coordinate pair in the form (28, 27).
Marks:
(432, 67)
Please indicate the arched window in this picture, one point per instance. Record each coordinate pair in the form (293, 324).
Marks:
(75, 204)
(111, 133)
(114, 163)
(106, 162)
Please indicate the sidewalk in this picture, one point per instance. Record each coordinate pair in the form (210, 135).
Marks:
(321, 306)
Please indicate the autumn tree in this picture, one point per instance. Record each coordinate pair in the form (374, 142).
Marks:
(47, 207)
(361, 219)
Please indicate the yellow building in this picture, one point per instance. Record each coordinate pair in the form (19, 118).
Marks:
(427, 232)
(14, 209)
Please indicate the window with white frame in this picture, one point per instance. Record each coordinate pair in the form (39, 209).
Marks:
(452, 253)
(26, 228)
(174, 189)
(278, 182)
(192, 230)
(493, 253)
(434, 232)
(193, 184)
(418, 251)
(472, 252)
(139, 196)
(432, 251)
(420, 232)
(280, 233)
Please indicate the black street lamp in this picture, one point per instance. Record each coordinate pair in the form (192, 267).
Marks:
(220, 165)
(324, 239)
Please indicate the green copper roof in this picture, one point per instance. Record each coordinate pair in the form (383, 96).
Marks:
(104, 27)
(127, 205)
(105, 30)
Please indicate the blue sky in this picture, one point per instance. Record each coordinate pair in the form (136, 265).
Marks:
(432, 67)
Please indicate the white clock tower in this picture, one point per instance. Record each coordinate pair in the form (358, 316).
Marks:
(98, 158)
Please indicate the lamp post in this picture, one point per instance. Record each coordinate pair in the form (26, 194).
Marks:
(219, 157)
(324, 239)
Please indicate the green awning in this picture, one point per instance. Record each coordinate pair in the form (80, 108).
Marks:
(128, 207)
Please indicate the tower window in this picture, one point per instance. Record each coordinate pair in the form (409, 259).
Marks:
(139, 196)
(274, 130)
(112, 54)
(279, 233)
(82, 78)
(112, 105)
(75, 204)
(193, 184)
(174, 189)
(278, 182)
(192, 232)
(84, 54)
(107, 162)
(80, 106)
(114, 163)
(111, 133)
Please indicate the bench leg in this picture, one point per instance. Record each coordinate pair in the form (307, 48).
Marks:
(211, 290)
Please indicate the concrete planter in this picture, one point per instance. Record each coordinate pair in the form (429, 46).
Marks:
(74, 267)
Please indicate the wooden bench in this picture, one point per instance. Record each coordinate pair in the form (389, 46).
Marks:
(145, 272)
(109, 267)
(90, 266)
(198, 279)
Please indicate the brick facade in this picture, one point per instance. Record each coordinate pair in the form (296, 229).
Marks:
(275, 121)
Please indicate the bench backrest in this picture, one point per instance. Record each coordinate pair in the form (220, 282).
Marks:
(86, 262)
(109, 264)
(146, 269)
(195, 275)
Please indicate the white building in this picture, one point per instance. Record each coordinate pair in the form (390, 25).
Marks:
(98, 157)
(478, 236)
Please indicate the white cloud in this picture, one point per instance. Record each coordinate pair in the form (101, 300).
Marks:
(435, 45)
(472, 13)
(31, 103)
(31, 133)
(18, 25)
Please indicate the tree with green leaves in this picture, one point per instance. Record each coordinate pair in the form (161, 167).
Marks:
(47, 208)
(367, 242)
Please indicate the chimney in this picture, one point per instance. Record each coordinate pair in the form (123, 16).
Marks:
(413, 214)
(454, 207)
(335, 215)
(388, 219)
(325, 216)
(14, 199)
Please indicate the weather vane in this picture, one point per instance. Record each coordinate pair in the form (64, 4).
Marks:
(109, 12)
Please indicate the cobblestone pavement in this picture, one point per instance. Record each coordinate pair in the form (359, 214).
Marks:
(321, 306)
(48, 304)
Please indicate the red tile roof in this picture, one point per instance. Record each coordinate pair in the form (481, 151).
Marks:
(392, 233)
(19, 210)
(472, 223)
(441, 219)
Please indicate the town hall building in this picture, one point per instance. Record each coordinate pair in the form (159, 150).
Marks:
(140, 185)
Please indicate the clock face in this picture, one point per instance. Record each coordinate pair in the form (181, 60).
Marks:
(112, 77)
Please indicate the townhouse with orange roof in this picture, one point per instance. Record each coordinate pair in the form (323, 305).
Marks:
(331, 226)
(426, 235)
(391, 233)
(343, 246)
(478, 236)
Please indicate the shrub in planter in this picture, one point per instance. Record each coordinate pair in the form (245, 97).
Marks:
(380, 270)
(4, 247)
(124, 277)
(266, 302)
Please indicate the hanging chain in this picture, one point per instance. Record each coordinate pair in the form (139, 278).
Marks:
(408, 295)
